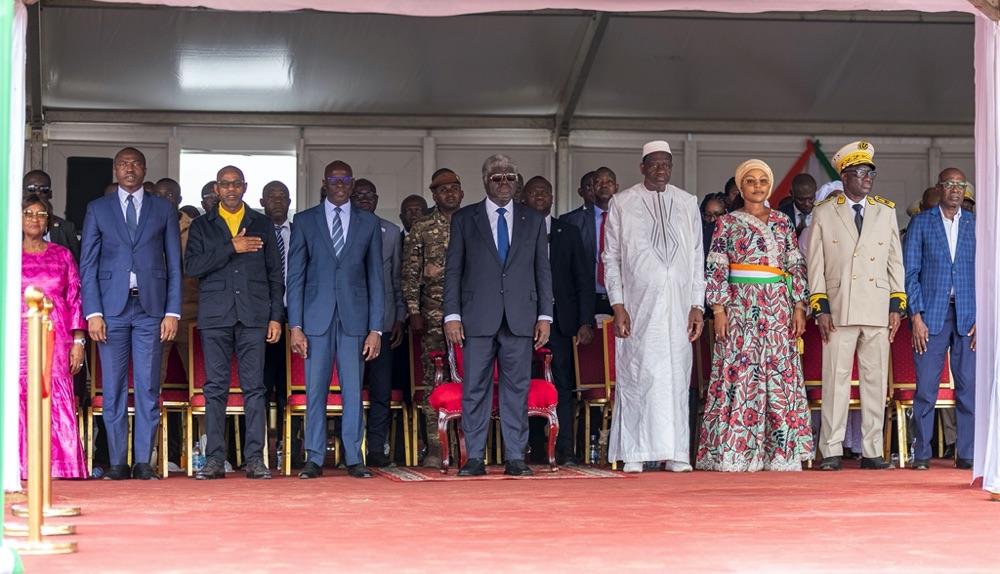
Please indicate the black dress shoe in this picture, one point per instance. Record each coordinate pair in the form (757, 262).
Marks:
(567, 460)
(949, 451)
(378, 460)
(214, 468)
(830, 463)
(311, 470)
(963, 463)
(875, 463)
(118, 472)
(358, 471)
(255, 469)
(516, 467)
(143, 471)
(921, 464)
(473, 467)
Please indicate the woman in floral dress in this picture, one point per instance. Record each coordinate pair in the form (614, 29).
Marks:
(756, 416)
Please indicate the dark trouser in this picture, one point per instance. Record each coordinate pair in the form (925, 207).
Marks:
(132, 335)
(564, 377)
(379, 395)
(514, 356)
(219, 345)
(929, 366)
(602, 306)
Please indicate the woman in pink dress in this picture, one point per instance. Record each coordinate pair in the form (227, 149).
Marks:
(51, 268)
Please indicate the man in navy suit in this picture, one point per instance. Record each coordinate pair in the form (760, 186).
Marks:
(586, 192)
(130, 270)
(233, 252)
(591, 221)
(365, 198)
(335, 287)
(939, 256)
(572, 313)
(497, 300)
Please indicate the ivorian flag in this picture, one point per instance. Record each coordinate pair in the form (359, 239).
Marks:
(812, 161)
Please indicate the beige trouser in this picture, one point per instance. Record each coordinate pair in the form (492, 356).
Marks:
(872, 347)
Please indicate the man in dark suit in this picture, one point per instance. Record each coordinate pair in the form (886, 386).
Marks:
(379, 369)
(591, 222)
(233, 252)
(803, 194)
(586, 192)
(497, 300)
(573, 309)
(939, 256)
(61, 231)
(335, 287)
(275, 199)
(130, 272)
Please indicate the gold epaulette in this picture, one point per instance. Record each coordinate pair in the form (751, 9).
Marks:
(841, 199)
(897, 302)
(824, 201)
(819, 303)
(885, 202)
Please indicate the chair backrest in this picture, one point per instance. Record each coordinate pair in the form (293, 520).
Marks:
(608, 331)
(588, 361)
(296, 367)
(902, 369)
(196, 366)
(456, 359)
(416, 362)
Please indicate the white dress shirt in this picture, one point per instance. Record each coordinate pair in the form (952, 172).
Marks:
(345, 217)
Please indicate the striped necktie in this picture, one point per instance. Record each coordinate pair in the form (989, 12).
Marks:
(337, 233)
(281, 246)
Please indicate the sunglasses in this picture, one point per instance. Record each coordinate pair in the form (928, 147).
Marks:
(333, 180)
(38, 188)
(498, 177)
(861, 173)
(28, 214)
(953, 184)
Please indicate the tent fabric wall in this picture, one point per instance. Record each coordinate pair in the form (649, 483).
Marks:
(987, 48)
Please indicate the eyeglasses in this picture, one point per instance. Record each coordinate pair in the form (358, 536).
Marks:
(962, 185)
(861, 173)
(664, 165)
(235, 184)
(210, 197)
(333, 180)
(28, 214)
(38, 188)
(498, 177)
(365, 195)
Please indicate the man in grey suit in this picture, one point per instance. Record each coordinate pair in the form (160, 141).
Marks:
(379, 369)
(335, 287)
(497, 301)
(233, 252)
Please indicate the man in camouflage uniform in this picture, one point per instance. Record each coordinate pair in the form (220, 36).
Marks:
(424, 252)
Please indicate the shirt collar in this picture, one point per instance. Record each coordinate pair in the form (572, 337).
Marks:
(492, 207)
(123, 195)
(958, 215)
(346, 208)
(598, 211)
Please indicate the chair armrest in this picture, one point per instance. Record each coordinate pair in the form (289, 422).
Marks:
(545, 355)
(437, 358)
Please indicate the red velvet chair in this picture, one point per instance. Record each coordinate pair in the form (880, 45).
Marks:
(595, 381)
(903, 386)
(446, 400)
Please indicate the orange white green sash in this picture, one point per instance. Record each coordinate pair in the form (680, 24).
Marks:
(758, 274)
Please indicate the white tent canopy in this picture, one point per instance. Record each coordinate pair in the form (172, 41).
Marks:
(863, 67)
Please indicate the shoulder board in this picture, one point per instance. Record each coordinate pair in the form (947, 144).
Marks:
(841, 199)
(885, 201)
(827, 200)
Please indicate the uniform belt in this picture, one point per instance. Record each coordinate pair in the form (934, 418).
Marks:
(133, 292)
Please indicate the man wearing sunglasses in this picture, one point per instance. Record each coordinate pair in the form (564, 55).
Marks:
(497, 305)
(61, 232)
(940, 260)
(335, 305)
(856, 279)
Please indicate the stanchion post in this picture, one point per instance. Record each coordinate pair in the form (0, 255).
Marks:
(34, 543)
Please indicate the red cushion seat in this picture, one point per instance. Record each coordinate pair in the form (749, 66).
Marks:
(905, 395)
(235, 400)
(299, 400)
(447, 397)
(542, 395)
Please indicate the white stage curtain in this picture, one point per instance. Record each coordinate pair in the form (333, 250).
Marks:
(12, 329)
(456, 7)
(987, 47)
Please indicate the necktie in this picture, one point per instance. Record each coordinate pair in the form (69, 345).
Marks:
(281, 245)
(503, 235)
(802, 223)
(858, 220)
(338, 231)
(600, 250)
(130, 219)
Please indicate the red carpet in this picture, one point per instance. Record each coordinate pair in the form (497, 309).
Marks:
(849, 521)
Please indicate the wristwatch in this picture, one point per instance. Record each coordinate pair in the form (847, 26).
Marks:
(379, 332)
(698, 307)
(80, 341)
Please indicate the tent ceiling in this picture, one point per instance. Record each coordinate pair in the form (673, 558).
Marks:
(888, 68)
